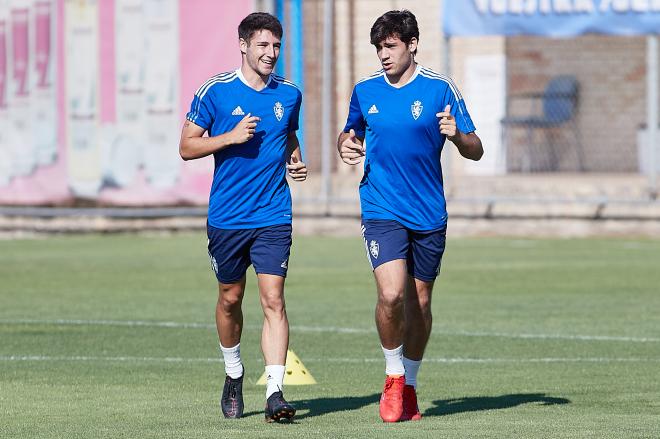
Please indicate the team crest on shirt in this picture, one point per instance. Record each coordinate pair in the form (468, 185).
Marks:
(278, 109)
(416, 109)
(374, 248)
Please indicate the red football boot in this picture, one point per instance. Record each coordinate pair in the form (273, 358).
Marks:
(391, 401)
(410, 408)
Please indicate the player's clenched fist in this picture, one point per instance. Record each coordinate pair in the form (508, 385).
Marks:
(297, 169)
(245, 129)
(447, 123)
(350, 151)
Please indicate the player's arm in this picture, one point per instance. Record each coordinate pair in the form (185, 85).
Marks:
(296, 167)
(193, 144)
(350, 147)
(468, 144)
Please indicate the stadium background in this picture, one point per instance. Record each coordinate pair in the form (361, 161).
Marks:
(106, 334)
(95, 92)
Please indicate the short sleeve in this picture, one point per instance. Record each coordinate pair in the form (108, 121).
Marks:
(200, 110)
(294, 122)
(458, 109)
(355, 118)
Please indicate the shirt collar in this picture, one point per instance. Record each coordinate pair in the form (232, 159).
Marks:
(239, 73)
(411, 79)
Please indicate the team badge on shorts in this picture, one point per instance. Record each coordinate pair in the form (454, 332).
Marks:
(416, 109)
(373, 249)
(278, 109)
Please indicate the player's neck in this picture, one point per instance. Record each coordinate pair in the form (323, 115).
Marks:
(253, 79)
(402, 79)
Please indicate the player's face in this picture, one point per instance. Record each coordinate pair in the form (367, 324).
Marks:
(261, 51)
(395, 56)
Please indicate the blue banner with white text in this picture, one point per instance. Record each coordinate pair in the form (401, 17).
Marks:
(552, 18)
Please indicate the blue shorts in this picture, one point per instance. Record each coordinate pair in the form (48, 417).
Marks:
(387, 240)
(232, 251)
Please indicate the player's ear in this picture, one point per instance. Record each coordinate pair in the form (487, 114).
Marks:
(242, 44)
(412, 46)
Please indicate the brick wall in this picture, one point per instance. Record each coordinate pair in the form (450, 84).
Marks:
(611, 72)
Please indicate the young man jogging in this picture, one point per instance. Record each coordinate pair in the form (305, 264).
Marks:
(251, 116)
(399, 119)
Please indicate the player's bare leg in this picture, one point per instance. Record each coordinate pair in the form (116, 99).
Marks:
(229, 323)
(418, 317)
(228, 312)
(391, 284)
(275, 333)
(418, 323)
(274, 344)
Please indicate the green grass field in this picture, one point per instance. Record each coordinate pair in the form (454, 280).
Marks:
(113, 337)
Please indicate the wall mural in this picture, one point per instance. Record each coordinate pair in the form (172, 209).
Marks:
(93, 94)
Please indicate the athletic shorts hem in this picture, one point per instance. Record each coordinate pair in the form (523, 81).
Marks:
(270, 272)
(231, 281)
(386, 261)
(424, 278)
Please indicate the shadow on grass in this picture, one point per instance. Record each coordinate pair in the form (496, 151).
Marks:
(322, 406)
(445, 407)
(307, 408)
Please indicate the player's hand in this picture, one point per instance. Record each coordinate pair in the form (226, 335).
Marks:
(244, 130)
(350, 151)
(297, 169)
(447, 123)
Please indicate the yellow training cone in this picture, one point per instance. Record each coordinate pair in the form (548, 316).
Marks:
(296, 372)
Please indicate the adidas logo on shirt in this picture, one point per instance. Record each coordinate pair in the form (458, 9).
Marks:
(238, 111)
(373, 109)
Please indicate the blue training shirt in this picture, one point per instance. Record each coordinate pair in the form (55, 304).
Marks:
(402, 174)
(249, 188)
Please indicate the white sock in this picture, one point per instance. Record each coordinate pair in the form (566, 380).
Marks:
(393, 361)
(233, 364)
(274, 379)
(412, 367)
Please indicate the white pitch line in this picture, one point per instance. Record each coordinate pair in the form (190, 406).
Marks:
(130, 323)
(335, 329)
(497, 360)
(110, 359)
(551, 336)
(445, 360)
(331, 329)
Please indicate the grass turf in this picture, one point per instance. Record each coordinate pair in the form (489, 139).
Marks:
(532, 338)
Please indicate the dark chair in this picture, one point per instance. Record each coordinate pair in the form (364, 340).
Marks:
(554, 108)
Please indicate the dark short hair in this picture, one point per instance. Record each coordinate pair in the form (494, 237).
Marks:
(401, 24)
(257, 21)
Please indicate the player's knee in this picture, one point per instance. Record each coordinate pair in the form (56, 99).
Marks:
(272, 303)
(230, 303)
(422, 303)
(231, 297)
(390, 298)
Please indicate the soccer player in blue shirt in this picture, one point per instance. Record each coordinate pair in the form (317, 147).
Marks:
(398, 120)
(251, 116)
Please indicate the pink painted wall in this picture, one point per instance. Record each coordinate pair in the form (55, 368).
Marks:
(208, 44)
